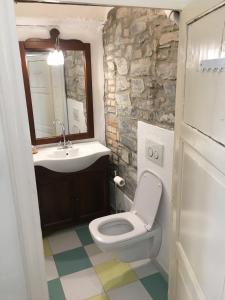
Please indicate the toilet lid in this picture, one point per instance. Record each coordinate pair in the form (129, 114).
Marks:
(147, 197)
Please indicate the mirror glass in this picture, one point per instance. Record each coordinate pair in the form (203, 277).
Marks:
(58, 93)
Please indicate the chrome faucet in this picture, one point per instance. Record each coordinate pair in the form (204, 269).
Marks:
(63, 144)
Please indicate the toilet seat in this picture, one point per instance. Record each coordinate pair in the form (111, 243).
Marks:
(137, 231)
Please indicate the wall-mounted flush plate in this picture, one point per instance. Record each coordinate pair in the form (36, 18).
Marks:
(154, 152)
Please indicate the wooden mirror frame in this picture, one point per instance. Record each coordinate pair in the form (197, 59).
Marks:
(49, 45)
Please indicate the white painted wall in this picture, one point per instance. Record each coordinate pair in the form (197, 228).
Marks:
(166, 138)
(89, 31)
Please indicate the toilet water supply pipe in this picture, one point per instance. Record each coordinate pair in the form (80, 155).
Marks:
(118, 181)
(115, 186)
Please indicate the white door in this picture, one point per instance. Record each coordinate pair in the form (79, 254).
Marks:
(197, 268)
(42, 95)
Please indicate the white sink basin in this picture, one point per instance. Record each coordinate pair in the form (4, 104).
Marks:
(74, 159)
(64, 153)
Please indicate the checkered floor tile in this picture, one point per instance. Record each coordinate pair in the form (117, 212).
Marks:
(77, 269)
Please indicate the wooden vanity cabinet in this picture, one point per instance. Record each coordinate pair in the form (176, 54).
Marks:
(72, 198)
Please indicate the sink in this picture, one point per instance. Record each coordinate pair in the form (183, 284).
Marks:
(79, 157)
(63, 153)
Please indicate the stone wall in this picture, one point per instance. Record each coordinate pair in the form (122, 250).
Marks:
(74, 67)
(140, 61)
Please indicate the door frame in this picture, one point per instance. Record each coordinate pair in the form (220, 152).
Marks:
(194, 11)
(16, 135)
(18, 145)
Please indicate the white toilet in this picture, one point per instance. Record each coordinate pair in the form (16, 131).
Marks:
(133, 235)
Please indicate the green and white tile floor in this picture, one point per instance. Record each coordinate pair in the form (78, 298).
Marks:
(77, 270)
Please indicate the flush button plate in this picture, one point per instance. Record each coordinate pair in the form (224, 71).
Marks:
(154, 152)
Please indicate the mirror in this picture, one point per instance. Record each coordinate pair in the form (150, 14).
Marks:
(59, 93)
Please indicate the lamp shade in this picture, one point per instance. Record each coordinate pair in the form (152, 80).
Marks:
(55, 58)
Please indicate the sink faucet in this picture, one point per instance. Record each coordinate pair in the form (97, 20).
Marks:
(65, 144)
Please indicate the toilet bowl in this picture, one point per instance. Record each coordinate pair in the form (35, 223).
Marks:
(133, 235)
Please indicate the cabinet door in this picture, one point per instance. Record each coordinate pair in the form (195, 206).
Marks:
(56, 200)
(93, 200)
(92, 196)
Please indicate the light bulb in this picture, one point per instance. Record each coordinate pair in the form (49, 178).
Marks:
(55, 58)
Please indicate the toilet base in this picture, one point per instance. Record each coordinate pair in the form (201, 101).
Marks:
(148, 248)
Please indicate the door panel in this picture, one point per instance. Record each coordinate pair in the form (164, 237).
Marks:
(56, 211)
(204, 91)
(202, 220)
(182, 290)
(56, 197)
(187, 284)
(42, 95)
(93, 193)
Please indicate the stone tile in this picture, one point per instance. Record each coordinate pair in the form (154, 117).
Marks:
(169, 37)
(81, 285)
(167, 70)
(131, 291)
(125, 155)
(96, 256)
(123, 99)
(137, 87)
(50, 267)
(47, 249)
(99, 297)
(114, 274)
(122, 84)
(72, 261)
(55, 290)
(84, 235)
(121, 65)
(137, 27)
(140, 67)
(156, 286)
(63, 241)
(123, 12)
(143, 268)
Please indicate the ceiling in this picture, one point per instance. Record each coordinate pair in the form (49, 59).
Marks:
(165, 4)
(36, 10)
